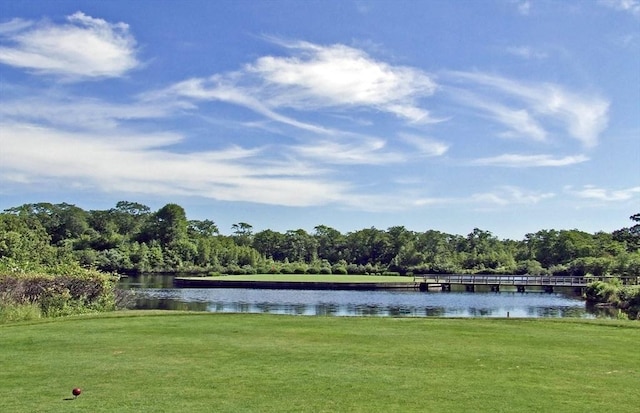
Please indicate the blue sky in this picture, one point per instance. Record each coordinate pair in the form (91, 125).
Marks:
(507, 115)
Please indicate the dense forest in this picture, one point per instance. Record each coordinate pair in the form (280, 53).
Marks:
(130, 238)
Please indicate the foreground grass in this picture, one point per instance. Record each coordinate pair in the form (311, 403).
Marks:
(333, 278)
(193, 362)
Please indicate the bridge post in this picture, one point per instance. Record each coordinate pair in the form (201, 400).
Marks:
(520, 288)
(446, 287)
(548, 288)
(470, 288)
(495, 288)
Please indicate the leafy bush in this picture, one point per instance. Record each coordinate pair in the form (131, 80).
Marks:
(76, 291)
(602, 292)
(338, 269)
(529, 267)
(11, 311)
(355, 269)
(624, 297)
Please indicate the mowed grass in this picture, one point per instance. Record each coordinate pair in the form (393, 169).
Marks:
(203, 362)
(332, 278)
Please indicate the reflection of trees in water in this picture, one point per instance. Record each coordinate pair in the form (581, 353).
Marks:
(547, 312)
(326, 309)
(602, 311)
(264, 307)
(299, 309)
(169, 299)
(480, 312)
(434, 311)
(147, 281)
(557, 312)
(365, 310)
(400, 311)
(168, 304)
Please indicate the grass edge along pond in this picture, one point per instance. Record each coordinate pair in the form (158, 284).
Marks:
(202, 362)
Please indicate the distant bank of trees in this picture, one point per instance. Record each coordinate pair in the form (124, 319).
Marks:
(132, 238)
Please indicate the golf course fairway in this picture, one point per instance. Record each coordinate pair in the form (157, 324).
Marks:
(203, 362)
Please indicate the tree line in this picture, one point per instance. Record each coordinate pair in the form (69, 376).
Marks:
(131, 238)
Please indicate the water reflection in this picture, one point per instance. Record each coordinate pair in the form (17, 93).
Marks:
(363, 303)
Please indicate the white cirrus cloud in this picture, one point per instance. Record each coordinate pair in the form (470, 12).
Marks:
(145, 164)
(629, 6)
(216, 88)
(524, 7)
(425, 146)
(370, 151)
(529, 161)
(84, 47)
(507, 195)
(602, 194)
(83, 113)
(524, 107)
(526, 52)
(316, 77)
(339, 75)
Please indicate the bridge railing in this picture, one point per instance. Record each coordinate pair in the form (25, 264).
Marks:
(478, 279)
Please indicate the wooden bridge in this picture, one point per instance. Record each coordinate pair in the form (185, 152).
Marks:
(521, 282)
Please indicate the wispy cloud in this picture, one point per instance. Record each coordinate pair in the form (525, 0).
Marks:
(425, 146)
(339, 75)
(584, 116)
(602, 194)
(84, 47)
(316, 76)
(522, 6)
(629, 6)
(364, 152)
(508, 195)
(530, 161)
(526, 52)
(219, 89)
(145, 164)
(520, 122)
(84, 113)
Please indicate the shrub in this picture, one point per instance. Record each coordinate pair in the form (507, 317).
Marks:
(248, 269)
(339, 269)
(602, 292)
(76, 291)
(624, 297)
(355, 269)
(11, 311)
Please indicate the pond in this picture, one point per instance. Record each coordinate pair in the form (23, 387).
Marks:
(157, 292)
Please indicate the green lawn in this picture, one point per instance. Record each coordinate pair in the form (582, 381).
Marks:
(332, 278)
(203, 362)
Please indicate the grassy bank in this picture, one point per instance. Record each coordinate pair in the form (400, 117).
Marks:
(170, 362)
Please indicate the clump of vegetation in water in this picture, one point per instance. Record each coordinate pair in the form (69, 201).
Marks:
(614, 294)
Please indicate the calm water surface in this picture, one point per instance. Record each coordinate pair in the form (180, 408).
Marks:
(157, 292)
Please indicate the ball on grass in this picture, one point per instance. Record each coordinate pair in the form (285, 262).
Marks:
(76, 392)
